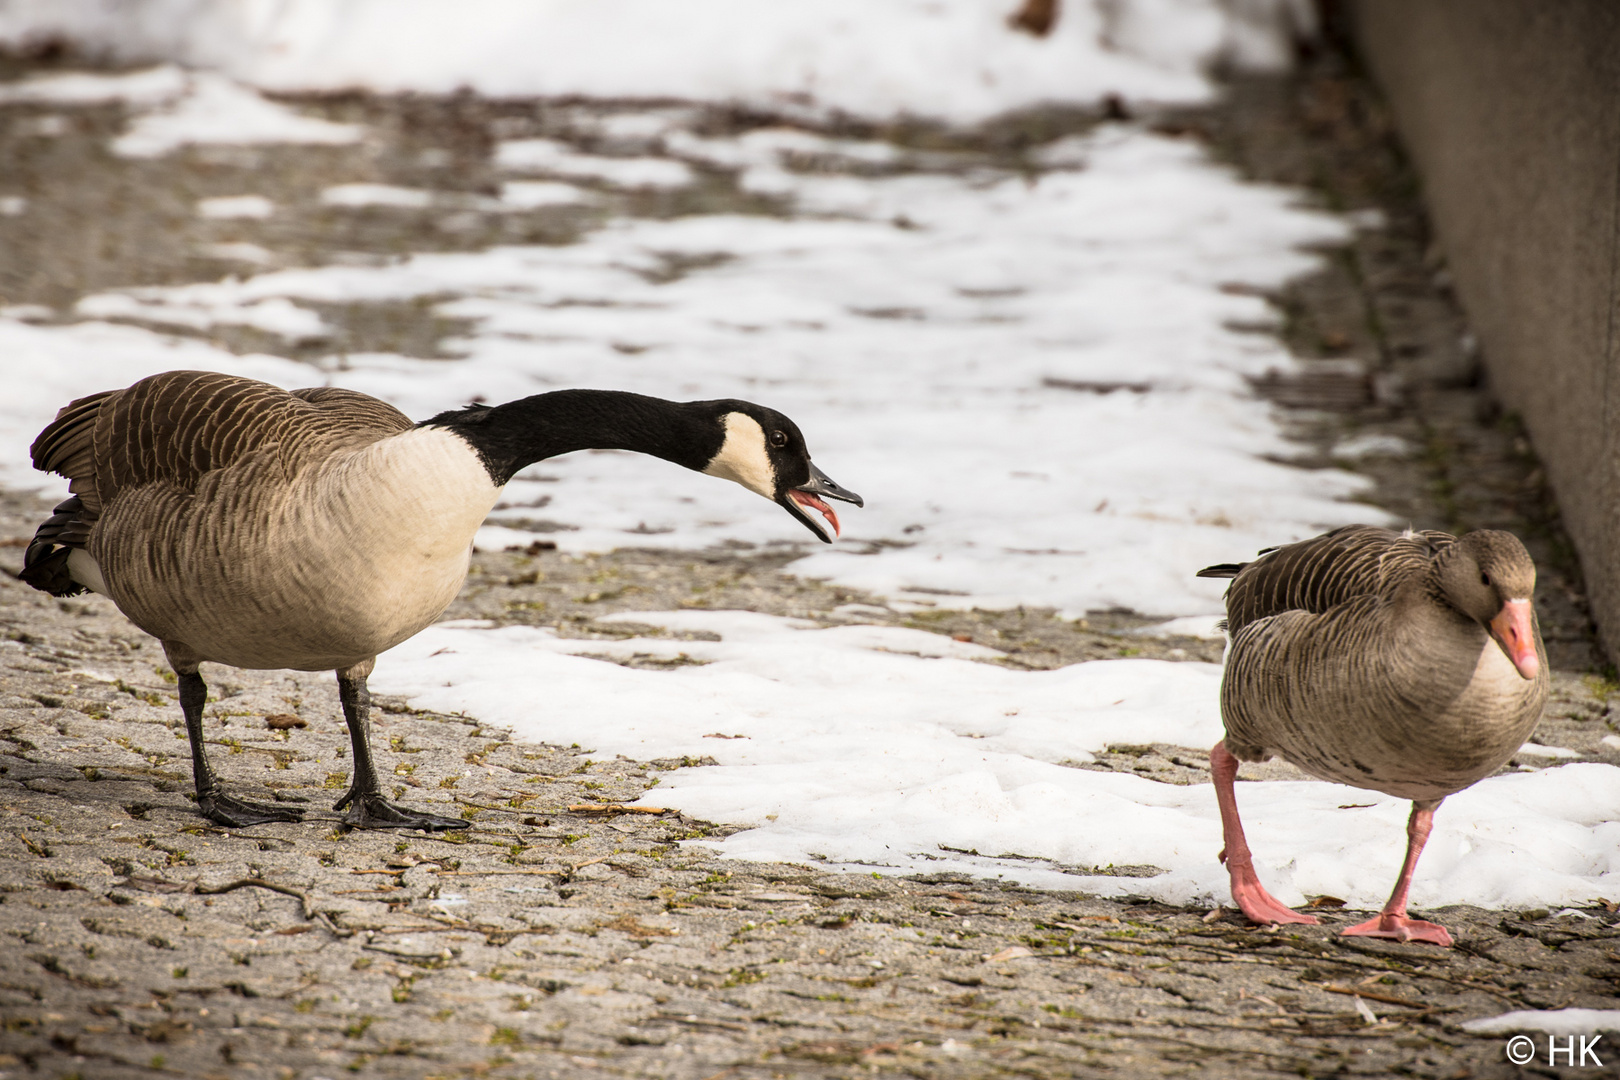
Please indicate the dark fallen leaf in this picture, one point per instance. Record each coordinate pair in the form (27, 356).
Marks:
(1035, 17)
(535, 547)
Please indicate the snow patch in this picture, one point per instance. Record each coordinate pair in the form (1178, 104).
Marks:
(1531, 749)
(150, 87)
(274, 315)
(377, 195)
(877, 747)
(533, 194)
(549, 156)
(236, 206)
(1551, 1021)
(1372, 444)
(955, 369)
(954, 60)
(215, 109)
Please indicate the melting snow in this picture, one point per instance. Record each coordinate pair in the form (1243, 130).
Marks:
(213, 109)
(377, 195)
(954, 60)
(1034, 382)
(1551, 1021)
(532, 194)
(236, 206)
(549, 156)
(152, 86)
(898, 750)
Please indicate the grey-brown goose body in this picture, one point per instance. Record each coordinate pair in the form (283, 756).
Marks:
(1349, 660)
(263, 529)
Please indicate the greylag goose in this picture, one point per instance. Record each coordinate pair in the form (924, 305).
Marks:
(1404, 662)
(242, 524)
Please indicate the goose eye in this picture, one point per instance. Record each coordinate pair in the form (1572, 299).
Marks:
(778, 438)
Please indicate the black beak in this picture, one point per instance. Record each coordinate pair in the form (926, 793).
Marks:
(809, 496)
(825, 486)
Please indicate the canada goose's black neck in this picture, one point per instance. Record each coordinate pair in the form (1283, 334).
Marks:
(512, 436)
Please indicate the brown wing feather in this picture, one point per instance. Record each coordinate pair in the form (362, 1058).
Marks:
(1321, 573)
(177, 427)
(356, 408)
(181, 425)
(64, 447)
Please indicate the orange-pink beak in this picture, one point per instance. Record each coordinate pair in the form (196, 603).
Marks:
(1513, 630)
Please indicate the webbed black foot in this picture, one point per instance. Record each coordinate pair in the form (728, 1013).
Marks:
(375, 812)
(222, 809)
(367, 808)
(214, 804)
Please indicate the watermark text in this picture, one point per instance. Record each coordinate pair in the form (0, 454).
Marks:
(1574, 1051)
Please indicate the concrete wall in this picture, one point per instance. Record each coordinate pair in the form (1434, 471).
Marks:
(1511, 111)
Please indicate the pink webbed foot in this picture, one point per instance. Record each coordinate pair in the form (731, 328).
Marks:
(1400, 928)
(1259, 905)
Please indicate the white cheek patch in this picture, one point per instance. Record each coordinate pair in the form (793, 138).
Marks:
(742, 456)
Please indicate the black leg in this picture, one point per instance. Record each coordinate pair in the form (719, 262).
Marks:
(215, 805)
(367, 807)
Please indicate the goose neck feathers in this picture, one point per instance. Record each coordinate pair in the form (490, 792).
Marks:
(755, 446)
(509, 437)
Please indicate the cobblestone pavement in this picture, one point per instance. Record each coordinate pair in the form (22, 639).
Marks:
(545, 941)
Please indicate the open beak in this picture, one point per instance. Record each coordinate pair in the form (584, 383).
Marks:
(810, 496)
(1514, 630)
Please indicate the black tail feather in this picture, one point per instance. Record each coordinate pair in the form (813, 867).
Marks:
(1223, 570)
(45, 563)
(45, 568)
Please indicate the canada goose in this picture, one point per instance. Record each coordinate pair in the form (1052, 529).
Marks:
(1405, 662)
(242, 524)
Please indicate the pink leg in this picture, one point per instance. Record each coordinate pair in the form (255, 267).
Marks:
(1392, 922)
(1259, 905)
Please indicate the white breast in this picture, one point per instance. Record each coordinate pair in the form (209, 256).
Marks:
(419, 495)
(409, 507)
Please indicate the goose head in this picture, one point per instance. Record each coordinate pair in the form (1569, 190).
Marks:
(764, 451)
(1490, 577)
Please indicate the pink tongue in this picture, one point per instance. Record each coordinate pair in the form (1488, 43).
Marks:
(805, 499)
